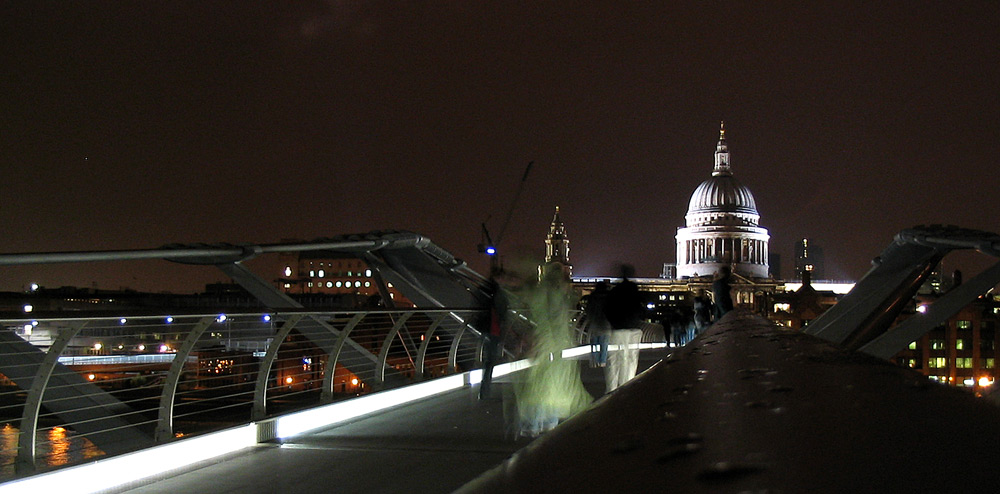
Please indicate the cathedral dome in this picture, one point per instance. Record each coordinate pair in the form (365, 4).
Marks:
(722, 194)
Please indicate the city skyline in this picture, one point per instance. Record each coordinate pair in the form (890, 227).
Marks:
(135, 126)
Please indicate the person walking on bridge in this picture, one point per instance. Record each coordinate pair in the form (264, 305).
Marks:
(551, 389)
(624, 311)
(595, 322)
(721, 289)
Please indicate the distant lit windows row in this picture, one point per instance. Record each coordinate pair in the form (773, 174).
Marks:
(341, 284)
(960, 363)
(323, 274)
(960, 344)
(672, 297)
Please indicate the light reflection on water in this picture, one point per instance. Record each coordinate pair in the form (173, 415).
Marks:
(59, 447)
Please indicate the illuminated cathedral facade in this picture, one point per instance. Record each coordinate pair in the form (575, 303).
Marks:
(722, 226)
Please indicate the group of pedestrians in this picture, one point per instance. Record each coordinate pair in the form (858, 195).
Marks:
(551, 389)
(680, 324)
(683, 324)
(614, 319)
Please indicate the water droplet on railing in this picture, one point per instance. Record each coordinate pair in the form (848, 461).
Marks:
(725, 471)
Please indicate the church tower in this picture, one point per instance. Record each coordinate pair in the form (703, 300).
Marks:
(557, 244)
(722, 226)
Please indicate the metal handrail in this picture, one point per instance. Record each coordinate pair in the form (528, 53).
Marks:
(214, 380)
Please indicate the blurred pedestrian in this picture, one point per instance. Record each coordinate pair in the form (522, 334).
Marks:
(551, 389)
(624, 311)
(492, 325)
(721, 289)
(596, 325)
(702, 311)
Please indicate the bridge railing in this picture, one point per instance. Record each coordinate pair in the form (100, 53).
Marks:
(75, 389)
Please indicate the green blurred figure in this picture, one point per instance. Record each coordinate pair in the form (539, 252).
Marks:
(550, 390)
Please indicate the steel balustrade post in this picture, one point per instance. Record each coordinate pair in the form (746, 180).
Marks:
(422, 353)
(33, 403)
(453, 350)
(383, 353)
(480, 345)
(334, 355)
(165, 421)
(264, 371)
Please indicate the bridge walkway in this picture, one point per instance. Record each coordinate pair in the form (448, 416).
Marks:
(434, 445)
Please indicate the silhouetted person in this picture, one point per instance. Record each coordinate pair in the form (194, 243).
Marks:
(702, 312)
(624, 311)
(596, 323)
(492, 325)
(673, 325)
(720, 290)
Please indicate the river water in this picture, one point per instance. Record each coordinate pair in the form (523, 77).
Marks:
(57, 447)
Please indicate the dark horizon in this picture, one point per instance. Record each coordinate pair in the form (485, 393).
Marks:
(132, 126)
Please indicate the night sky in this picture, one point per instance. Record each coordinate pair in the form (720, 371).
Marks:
(137, 124)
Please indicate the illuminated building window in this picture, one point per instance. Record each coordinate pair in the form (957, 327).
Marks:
(288, 271)
(782, 307)
(964, 324)
(368, 273)
(322, 273)
(937, 344)
(988, 363)
(959, 344)
(339, 284)
(937, 362)
(963, 363)
(329, 284)
(913, 345)
(310, 284)
(288, 285)
(912, 363)
(349, 273)
(312, 273)
(368, 284)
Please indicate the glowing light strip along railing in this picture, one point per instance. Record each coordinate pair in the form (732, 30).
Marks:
(150, 464)
(132, 468)
(242, 330)
(136, 365)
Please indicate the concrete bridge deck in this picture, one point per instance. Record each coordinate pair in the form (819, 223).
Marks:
(433, 445)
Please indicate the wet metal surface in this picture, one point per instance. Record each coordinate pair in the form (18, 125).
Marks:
(749, 407)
